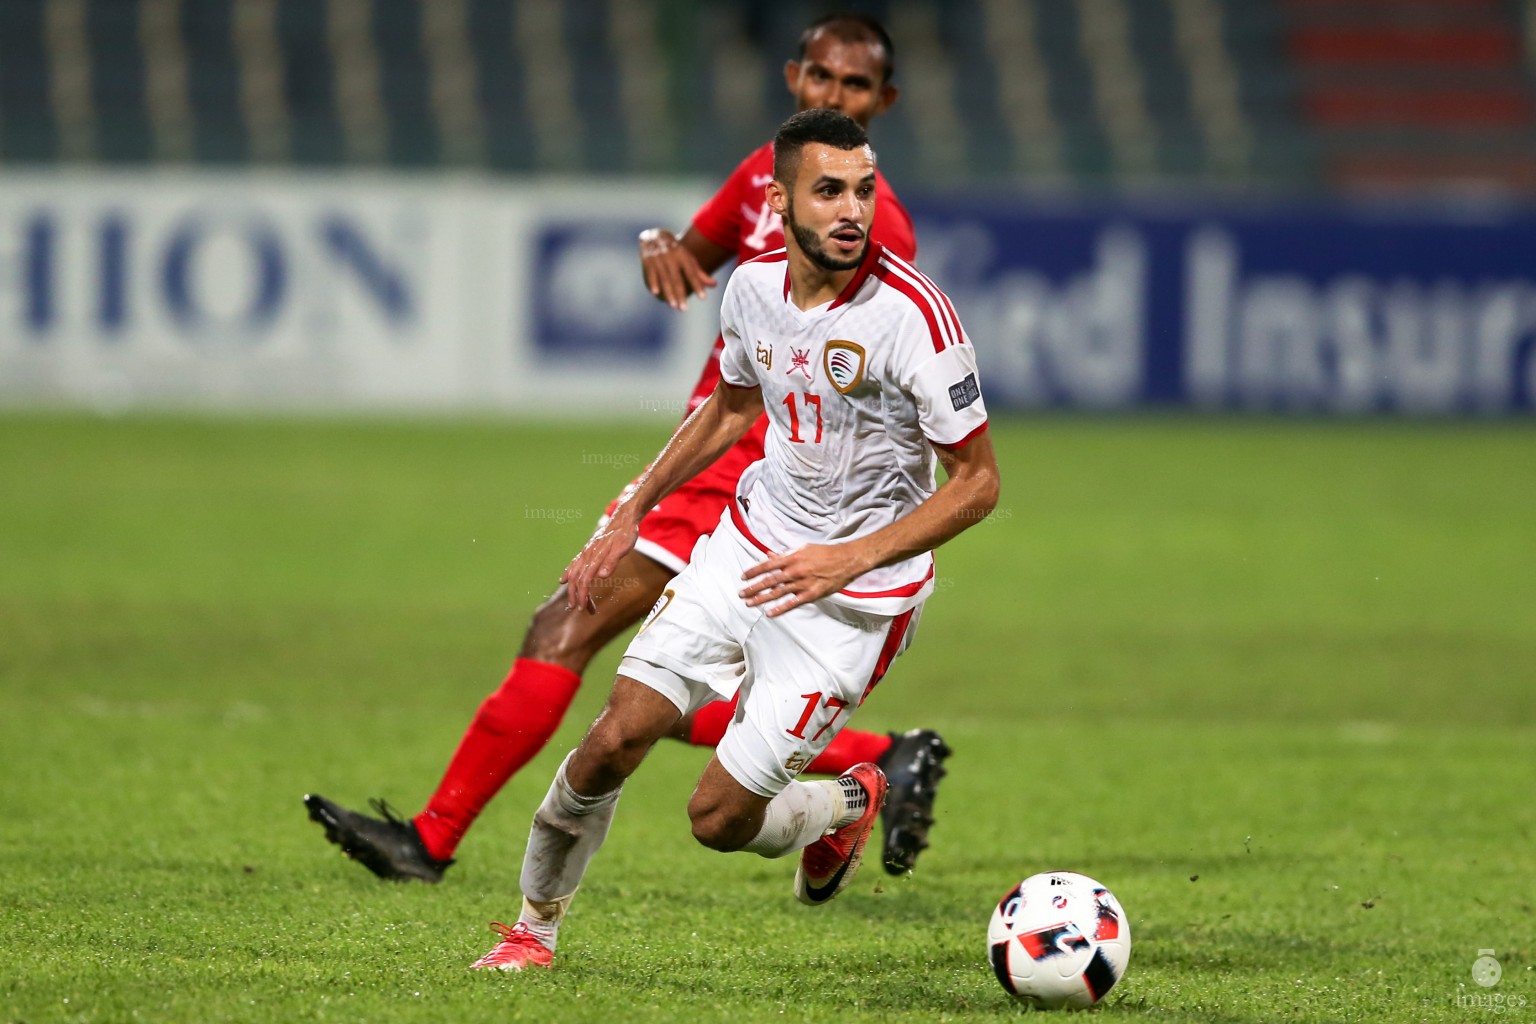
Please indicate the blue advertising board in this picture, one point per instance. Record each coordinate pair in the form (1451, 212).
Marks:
(588, 301)
(1307, 308)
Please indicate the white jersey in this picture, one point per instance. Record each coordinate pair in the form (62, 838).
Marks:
(856, 392)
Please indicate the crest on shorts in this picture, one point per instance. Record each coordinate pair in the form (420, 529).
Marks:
(656, 609)
(844, 363)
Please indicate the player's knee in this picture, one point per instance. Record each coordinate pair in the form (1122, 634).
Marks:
(716, 832)
(557, 636)
(716, 827)
(610, 756)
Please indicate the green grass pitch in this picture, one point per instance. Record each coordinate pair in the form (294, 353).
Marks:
(1273, 682)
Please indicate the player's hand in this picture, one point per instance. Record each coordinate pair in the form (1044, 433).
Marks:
(804, 575)
(596, 562)
(672, 273)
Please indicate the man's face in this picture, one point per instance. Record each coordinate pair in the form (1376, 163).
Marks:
(843, 76)
(832, 203)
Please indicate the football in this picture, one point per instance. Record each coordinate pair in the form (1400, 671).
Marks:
(1059, 940)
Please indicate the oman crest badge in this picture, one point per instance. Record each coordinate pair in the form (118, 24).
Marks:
(844, 363)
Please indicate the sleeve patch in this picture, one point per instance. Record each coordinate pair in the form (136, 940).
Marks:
(964, 393)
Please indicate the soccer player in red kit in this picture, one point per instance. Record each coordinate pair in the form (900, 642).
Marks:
(845, 64)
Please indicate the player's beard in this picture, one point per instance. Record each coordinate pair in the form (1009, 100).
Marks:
(812, 246)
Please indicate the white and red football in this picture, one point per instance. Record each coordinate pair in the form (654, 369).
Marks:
(1059, 940)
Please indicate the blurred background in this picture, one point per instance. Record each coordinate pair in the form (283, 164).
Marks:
(1315, 205)
(362, 276)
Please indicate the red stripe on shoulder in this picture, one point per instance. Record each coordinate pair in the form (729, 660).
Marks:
(890, 277)
(935, 294)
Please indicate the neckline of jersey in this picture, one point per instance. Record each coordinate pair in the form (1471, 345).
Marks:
(872, 253)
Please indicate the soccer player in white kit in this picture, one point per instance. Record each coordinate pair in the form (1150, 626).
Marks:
(812, 582)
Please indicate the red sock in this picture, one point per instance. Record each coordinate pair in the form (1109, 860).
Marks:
(512, 725)
(848, 748)
(709, 722)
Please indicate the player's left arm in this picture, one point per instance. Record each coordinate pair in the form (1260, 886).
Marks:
(816, 570)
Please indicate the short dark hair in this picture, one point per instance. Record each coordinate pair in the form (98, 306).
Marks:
(827, 127)
(854, 27)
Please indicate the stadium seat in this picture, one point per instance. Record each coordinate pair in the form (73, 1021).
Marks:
(27, 130)
(1294, 94)
(1416, 93)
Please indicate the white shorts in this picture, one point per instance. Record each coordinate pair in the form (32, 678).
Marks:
(798, 677)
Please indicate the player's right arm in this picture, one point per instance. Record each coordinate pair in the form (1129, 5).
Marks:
(703, 437)
(677, 269)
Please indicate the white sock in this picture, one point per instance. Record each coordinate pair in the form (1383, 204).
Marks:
(855, 799)
(543, 920)
(797, 817)
(567, 832)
